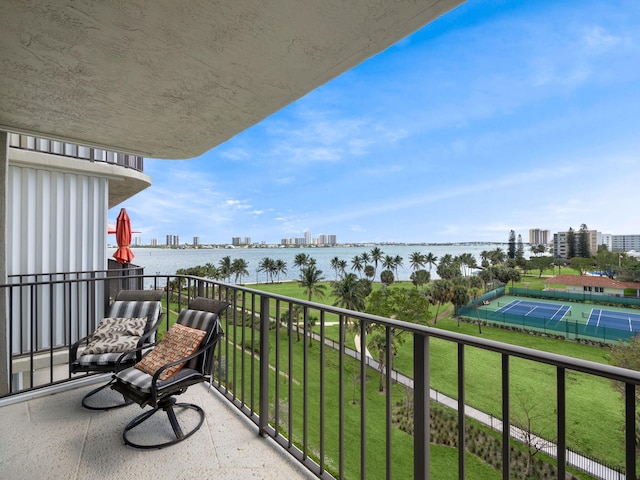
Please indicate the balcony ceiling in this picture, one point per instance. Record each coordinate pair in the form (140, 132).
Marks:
(173, 79)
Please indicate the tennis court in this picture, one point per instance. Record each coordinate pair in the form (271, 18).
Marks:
(543, 310)
(626, 321)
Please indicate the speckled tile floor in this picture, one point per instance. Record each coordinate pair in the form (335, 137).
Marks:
(54, 437)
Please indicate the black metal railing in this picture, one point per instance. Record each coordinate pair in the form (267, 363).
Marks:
(72, 150)
(286, 365)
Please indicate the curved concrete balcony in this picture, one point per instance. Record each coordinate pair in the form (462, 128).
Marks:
(124, 171)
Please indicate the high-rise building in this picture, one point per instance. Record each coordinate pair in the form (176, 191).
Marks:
(308, 240)
(624, 243)
(561, 245)
(539, 237)
(196, 241)
(154, 242)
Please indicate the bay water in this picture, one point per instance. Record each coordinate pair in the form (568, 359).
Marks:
(166, 261)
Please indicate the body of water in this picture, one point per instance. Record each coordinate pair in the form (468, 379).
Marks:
(166, 261)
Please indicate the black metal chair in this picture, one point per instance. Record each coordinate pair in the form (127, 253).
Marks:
(104, 350)
(145, 383)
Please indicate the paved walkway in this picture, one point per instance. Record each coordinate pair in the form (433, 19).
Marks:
(578, 461)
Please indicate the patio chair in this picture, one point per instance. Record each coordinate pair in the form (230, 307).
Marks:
(184, 357)
(119, 340)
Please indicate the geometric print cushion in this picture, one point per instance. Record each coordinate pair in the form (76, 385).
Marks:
(116, 335)
(177, 343)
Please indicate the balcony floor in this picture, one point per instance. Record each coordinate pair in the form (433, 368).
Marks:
(54, 437)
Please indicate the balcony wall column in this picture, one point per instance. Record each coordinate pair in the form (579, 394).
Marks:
(4, 323)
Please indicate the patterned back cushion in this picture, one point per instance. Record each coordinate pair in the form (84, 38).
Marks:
(129, 309)
(116, 335)
(179, 342)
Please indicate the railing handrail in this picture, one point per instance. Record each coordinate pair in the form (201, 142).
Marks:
(264, 318)
(554, 359)
(127, 160)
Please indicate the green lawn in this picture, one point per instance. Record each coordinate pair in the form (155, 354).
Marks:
(595, 409)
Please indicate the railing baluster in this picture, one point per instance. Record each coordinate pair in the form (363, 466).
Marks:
(363, 400)
(389, 399)
(421, 407)
(561, 453)
(35, 307)
(264, 365)
(506, 421)
(461, 414)
(630, 430)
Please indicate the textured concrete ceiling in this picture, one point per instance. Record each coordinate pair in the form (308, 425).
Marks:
(173, 79)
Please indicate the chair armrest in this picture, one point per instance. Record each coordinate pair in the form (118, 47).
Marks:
(139, 356)
(200, 351)
(73, 349)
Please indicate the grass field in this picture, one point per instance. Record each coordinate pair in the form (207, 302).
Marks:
(595, 411)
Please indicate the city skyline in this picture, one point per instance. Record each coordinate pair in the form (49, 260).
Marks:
(496, 116)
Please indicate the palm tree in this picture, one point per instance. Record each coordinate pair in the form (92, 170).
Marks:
(431, 260)
(280, 267)
(239, 268)
(365, 258)
(357, 265)
(376, 256)
(335, 265)
(310, 280)
(441, 293)
(369, 272)
(497, 256)
(225, 267)
(342, 267)
(267, 265)
(417, 260)
(349, 293)
(388, 262)
(397, 263)
(301, 260)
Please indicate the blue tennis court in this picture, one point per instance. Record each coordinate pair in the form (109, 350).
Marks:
(547, 311)
(627, 321)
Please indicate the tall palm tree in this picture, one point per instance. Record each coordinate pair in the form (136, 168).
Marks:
(239, 268)
(431, 260)
(342, 267)
(267, 265)
(397, 263)
(310, 280)
(335, 265)
(357, 265)
(349, 293)
(388, 262)
(365, 258)
(376, 256)
(301, 260)
(225, 267)
(417, 260)
(280, 267)
(441, 293)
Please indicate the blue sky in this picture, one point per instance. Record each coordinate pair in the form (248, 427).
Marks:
(499, 115)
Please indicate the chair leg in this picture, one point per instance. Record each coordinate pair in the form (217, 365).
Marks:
(87, 405)
(168, 405)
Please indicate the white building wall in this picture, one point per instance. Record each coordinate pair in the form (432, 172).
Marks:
(56, 221)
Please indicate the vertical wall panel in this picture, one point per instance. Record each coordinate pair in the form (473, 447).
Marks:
(58, 223)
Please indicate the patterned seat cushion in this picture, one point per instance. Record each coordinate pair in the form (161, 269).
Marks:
(116, 335)
(179, 342)
(141, 381)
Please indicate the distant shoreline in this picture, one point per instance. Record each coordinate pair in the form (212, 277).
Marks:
(336, 245)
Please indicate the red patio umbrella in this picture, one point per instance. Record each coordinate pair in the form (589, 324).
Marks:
(123, 237)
